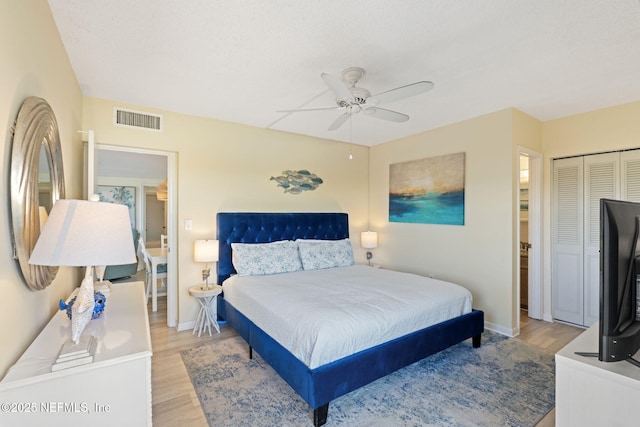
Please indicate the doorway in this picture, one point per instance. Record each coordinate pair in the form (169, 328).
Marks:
(524, 232)
(155, 217)
(127, 161)
(529, 234)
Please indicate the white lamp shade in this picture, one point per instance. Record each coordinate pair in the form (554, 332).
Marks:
(205, 251)
(369, 239)
(80, 233)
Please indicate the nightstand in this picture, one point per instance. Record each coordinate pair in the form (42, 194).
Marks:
(207, 316)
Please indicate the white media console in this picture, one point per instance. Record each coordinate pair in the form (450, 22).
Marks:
(114, 389)
(594, 393)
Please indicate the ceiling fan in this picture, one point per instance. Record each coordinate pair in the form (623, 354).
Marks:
(354, 99)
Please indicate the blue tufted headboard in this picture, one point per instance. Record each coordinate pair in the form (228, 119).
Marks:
(258, 227)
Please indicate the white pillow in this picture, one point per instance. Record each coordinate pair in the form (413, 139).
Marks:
(318, 254)
(257, 259)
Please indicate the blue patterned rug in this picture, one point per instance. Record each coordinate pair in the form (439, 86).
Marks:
(503, 383)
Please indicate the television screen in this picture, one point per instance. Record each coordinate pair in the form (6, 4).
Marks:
(619, 267)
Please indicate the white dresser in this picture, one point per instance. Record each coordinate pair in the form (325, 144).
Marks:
(113, 390)
(594, 393)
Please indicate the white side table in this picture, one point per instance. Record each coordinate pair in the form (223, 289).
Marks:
(208, 314)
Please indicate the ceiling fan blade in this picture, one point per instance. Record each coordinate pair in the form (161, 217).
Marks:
(381, 113)
(298, 110)
(337, 86)
(400, 93)
(339, 121)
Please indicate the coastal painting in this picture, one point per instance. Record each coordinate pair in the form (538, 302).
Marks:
(428, 191)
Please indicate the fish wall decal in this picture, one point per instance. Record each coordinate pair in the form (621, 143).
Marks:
(295, 182)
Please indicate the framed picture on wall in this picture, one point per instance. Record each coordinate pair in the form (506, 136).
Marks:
(122, 196)
(428, 191)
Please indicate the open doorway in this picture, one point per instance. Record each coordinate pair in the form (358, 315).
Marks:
(140, 168)
(529, 235)
(525, 245)
(155, 217)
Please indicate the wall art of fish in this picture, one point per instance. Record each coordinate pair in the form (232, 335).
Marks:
(295, 182)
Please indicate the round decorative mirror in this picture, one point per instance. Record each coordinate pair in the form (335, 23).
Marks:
(37, 182)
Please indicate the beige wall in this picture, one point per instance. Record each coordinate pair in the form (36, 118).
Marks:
(226, 167)
(477, 255)
(482, 255)
(609, 129)
(33, 62)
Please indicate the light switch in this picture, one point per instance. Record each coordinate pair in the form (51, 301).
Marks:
(188, 224)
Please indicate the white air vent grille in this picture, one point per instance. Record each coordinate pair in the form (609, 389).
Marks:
(137, 119)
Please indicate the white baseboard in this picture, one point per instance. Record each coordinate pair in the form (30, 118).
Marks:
(501, 330)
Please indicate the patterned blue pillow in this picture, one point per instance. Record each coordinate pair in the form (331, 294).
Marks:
(318, 254)
(257, 259)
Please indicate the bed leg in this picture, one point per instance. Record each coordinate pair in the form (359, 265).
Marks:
(250, 353)
(477, 339)
(320, 415)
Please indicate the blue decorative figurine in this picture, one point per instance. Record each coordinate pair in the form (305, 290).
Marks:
(99, 299)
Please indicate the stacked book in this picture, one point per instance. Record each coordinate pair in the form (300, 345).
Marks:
(73, 354)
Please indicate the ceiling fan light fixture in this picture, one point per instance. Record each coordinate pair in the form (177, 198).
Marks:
(356, 99)
(360, 95)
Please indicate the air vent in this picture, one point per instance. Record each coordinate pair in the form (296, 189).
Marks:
(137, 119)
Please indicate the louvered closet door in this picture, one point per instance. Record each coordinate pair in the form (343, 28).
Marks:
(630, 175)
(568, 220)
(601, 181)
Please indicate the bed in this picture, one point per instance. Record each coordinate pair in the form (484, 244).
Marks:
(321, 378)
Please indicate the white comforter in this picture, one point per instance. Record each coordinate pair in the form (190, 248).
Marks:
(324, 315)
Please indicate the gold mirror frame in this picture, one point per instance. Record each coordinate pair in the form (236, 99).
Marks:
(35, 129)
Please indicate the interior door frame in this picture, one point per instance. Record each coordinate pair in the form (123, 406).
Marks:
(172, 213)
(535, 297)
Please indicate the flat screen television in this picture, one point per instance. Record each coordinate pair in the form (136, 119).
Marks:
(619, 269)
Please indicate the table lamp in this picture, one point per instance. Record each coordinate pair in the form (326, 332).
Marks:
(205, 251)
(80, 233)
(369, 240)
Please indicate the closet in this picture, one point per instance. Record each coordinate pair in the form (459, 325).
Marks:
(578, 185)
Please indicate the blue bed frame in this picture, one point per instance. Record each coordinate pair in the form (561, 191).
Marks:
(321, 385)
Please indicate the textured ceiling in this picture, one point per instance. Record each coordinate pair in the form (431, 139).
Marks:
(242, 61)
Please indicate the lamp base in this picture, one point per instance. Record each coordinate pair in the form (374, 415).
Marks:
(73, 354)
(103, 286)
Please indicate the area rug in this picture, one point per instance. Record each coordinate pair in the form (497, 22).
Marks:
(505, 382)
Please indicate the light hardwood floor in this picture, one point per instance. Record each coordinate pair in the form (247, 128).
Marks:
(175, 402)
(550, 337)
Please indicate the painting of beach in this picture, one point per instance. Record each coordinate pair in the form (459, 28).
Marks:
(428, 191)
